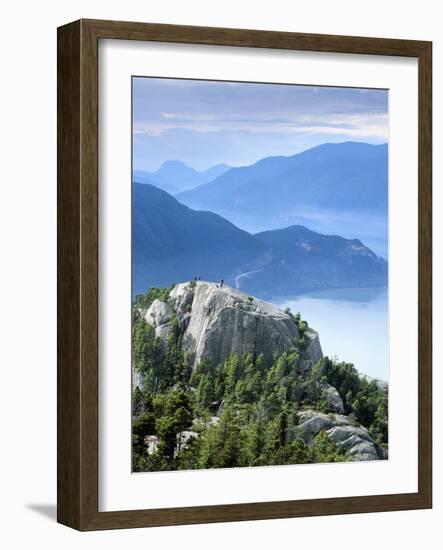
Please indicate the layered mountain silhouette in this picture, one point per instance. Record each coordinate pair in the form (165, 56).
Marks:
(305, 260)
(175, 176)
(332, 180)
(172, 243)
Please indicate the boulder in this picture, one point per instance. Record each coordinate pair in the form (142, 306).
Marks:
(312, 422)
(313, 426)
(354, 439)
(342, 433)
(333, 399)
(158, 316)
(357, 447)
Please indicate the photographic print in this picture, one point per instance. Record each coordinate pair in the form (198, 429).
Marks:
(259, 274)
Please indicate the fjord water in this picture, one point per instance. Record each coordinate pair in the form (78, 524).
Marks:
(352, 324)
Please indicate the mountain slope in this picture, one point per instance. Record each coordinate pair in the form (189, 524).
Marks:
(233, 352)
(313, 185)
(174, 176)
(214, 172)
(303, 260)
(172, 242)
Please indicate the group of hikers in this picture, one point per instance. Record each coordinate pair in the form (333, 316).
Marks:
(220, 285)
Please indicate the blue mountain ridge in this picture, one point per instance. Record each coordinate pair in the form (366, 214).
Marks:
(337, 188)
(349, 175)
(174, 176)
(172, 243)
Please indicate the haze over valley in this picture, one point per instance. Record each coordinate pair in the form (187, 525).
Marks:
(209, 232)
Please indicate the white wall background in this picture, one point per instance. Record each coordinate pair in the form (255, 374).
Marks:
(28, 271)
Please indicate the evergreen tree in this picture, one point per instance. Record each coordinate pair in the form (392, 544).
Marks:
(222, 444)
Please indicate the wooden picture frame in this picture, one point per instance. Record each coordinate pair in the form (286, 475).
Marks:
(78, 274)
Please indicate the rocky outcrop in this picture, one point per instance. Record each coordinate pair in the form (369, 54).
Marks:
(158, 316)
(351, 437)
(137, 378)
(314, 348)
(217, 321)
(313, 422)
(333, 399)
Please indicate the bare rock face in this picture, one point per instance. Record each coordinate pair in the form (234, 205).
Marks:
(313, 422)
(333, 399)
(314, 348)
(158, 316)
(351, 437)
(137, 379)
(218, 321)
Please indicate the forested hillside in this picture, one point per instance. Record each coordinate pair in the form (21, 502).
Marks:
(246, 408)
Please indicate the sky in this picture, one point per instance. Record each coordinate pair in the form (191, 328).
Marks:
(204, 123)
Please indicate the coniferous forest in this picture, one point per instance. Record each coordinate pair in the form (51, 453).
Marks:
(246, 410)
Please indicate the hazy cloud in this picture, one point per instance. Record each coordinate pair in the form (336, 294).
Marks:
(203, 123)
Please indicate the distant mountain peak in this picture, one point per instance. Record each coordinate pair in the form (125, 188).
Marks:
(175, 168)
(174, 163)
(175, 176)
